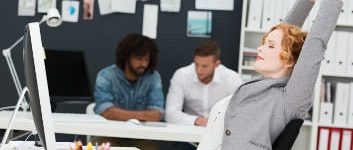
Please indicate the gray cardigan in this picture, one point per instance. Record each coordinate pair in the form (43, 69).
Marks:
(260, 109)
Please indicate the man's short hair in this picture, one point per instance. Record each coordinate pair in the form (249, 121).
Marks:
(135, 44)
(208, 48)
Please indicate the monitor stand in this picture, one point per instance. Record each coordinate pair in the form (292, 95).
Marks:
(37, 142)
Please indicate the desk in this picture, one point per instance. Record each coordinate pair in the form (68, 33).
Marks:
(29, 145)
(171, 132)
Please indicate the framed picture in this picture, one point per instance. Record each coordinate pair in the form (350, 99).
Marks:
(199, 24)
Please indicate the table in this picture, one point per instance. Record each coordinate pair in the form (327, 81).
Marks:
(79, 124)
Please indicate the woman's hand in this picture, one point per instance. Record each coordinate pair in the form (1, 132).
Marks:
(201, 121)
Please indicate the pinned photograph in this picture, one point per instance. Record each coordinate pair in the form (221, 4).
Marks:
(88, 6)
(44, 5)
(199, 24)
(104, 7)
(70, 11)
(26, 7)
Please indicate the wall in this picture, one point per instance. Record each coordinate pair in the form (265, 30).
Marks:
(98, 39)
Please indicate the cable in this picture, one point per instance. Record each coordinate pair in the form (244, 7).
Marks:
(25, 140)
(7, 107)
(20, 136)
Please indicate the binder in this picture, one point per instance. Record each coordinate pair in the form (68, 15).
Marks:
(323, 137)
(255, 12)
(350, 50)
(350, 110)
(323, 90)
(328, 92)
(350, 13)
(343, 18)
(346, 140)
(313, 13)
(284, 7)
(306, 25)
(268, 13)
(341, 103)
(334, 139)
(278, 8)
(341, 51)
(328, 64)
(326, 110)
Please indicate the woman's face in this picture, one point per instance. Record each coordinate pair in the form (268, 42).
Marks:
(268, 62)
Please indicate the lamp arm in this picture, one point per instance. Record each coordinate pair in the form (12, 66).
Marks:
(7, 54)
(12, 121)
(21, 38)
(13, 71)
(8, 58)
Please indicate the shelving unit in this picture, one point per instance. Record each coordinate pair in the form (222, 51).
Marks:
(250, 40)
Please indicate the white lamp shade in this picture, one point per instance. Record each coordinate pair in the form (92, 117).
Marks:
(53, 18)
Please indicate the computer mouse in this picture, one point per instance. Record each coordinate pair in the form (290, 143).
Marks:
(134, 122)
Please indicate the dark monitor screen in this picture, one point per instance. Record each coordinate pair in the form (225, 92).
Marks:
(36, 82)
(67, 75)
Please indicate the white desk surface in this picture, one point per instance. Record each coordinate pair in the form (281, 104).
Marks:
(171, 132)
(29, 145)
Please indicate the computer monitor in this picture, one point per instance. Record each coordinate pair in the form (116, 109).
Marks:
(36, 82)
(67, 75)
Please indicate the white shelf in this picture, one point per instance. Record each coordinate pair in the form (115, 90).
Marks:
(249, 50)
(344, 25)
(340, 75)
(307, 123)
(255, 30)
(249, 68)
(336, 126)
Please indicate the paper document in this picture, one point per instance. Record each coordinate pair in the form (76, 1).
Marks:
(44, 5)
(105, 7)
(215, 4)
(26, 7)
(170, 5)
(150, 20)
(70, 11)
(123, 6)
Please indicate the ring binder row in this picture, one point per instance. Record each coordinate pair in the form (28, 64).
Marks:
(339, 54)
(334, 139)
(263, 14)
(337, 110)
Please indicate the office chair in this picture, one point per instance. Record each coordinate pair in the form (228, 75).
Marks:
(90, 110)
(287, 137)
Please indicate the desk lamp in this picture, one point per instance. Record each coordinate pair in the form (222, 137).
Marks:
(52, 19)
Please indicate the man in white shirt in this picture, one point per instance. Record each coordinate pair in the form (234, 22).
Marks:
(195, 88)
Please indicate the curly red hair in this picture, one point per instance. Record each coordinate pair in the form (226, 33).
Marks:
(292, 42)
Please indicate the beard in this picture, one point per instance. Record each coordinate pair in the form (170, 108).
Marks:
(206, 78)
(138, 71)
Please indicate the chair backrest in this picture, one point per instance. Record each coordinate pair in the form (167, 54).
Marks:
(89, 108)
(287, 138)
